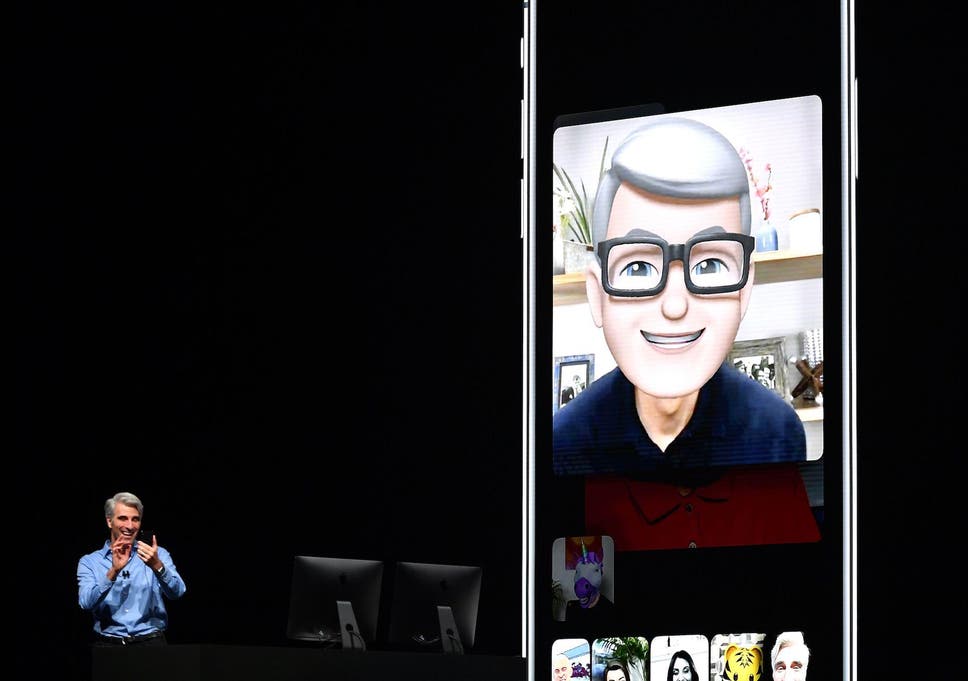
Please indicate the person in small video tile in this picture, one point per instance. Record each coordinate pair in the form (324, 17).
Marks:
(560, 668)
(591, 605)
(616, 672)
(789, 657)
(681, 667)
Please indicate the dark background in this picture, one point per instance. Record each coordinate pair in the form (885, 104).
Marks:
(267, 277)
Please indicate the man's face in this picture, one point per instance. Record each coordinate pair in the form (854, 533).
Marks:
(670, 344)
(560, 669)
(125, 523)
(615, 675)
(790, 664)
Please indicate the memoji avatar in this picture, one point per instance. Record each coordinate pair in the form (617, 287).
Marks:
(738, 657)
(742, 663)
(672, 442)
(672, 283)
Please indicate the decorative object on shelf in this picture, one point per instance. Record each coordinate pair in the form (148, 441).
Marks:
(766, 237)
(806, 231)
(572, 374)
(810, 365)
(573, 215)
(577, 256)
(763, 360)
(811, 385)
(811, 345)
(574, 208)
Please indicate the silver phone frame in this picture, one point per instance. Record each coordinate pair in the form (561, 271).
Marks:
(849, 173)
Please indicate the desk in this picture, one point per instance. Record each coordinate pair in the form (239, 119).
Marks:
(262, 663)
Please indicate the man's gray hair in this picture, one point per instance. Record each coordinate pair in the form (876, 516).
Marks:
(126, 498)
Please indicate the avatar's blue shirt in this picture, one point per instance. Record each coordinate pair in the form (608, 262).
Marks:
(737, 421)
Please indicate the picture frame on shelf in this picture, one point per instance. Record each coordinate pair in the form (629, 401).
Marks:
(572, 374)
(763, 360)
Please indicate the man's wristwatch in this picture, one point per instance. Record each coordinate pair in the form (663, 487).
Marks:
(161, 572)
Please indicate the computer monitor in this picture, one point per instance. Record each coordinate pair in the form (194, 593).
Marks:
(335, 601)
(434, 607)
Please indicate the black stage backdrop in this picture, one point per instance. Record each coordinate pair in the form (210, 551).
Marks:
(268, 278)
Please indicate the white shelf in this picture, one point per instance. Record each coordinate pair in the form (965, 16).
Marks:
(808, 414)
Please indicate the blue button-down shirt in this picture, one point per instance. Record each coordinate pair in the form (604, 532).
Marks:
(133, 604)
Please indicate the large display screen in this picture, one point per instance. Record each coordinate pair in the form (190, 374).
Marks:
(689, 440)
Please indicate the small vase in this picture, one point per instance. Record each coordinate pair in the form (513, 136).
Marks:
(766, 239)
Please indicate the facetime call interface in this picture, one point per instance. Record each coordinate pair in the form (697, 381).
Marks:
(784, 656)
(688, 325)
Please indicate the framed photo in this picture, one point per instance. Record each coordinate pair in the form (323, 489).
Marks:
(573, 373)
(762, 360)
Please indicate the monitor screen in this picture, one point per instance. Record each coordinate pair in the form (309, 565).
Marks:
(320, 585)
(429, 600)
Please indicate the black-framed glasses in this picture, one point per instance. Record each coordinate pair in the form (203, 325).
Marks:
(638, 266)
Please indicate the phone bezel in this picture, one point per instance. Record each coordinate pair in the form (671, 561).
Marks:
(535, 281)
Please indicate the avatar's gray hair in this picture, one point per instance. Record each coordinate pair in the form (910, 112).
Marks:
(675, 157)
(126, 498)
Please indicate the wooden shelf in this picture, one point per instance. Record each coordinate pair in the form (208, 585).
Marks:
(569, 289)
(771, 268)
(787, 266)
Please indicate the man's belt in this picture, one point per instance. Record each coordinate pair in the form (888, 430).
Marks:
(125, 640)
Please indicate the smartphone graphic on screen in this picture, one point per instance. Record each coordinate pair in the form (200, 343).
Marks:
(688, 219)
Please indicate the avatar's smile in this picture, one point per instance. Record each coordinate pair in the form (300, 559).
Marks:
(671, 341)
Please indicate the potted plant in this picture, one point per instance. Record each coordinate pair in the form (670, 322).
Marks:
(574, 213)
(631, 651)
